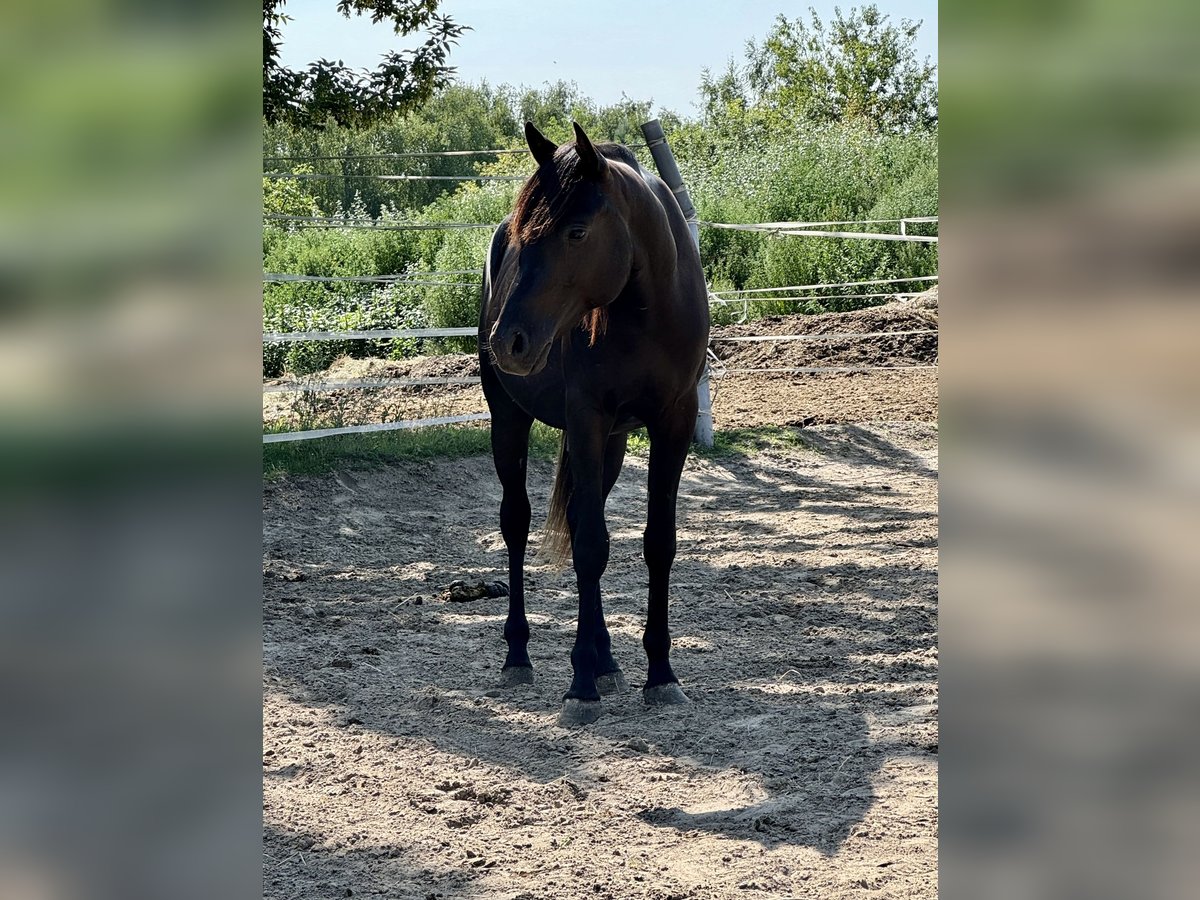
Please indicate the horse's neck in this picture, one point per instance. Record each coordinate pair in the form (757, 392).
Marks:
(655, 249)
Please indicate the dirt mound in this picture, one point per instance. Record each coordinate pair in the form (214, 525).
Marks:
(745, 396)
(899, 319)
(451, 365)
(754, 401)
(926, 300)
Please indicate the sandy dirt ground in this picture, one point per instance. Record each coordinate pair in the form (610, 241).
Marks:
(741, 399)
(804, 615)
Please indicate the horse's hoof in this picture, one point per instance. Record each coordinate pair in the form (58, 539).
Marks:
(579, 712)
(670, 694)
(515, 675)
(612, 683)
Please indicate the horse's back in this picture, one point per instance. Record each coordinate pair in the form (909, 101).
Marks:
(619, 152)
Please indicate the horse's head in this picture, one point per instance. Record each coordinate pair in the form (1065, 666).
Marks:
(569, 253)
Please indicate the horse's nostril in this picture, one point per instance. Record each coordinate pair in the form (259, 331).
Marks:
(518, 344)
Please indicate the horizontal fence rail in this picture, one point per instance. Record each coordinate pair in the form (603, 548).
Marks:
(288, 337)
(402, 154)
(805, 232)
(775, 226)
(285, 337)
(413, 154)
(832, 285)
(376, 224)
(401, 382)
(820, 370)
(396, 282)
(366, 384)
(863, 236)
(407, 381)
(280, 436)
(904, 223)
(273, 278)
(789, 297)
(842, 336)
(327, 176)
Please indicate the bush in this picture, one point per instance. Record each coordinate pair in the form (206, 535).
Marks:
(827, 174)
(335, 306)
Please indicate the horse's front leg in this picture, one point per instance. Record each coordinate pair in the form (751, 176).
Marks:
(609, 677)
(510, 450)
(669, 442)
(587, 435)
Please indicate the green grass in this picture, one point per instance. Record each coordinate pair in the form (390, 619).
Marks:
(367, 451)
(749, 441)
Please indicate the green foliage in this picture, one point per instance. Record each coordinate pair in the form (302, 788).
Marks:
(336, 306)
(287, 197)
(555, 107)
(457, 118)
(831, 173)
(752, 441)
(457, 306)
(860, 70)
(330, 91)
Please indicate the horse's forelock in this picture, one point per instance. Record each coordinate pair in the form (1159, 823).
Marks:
(545, 196)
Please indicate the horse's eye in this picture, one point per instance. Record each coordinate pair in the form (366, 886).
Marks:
(578, 233)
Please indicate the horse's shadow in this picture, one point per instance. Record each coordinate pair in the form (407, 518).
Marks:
(777, 746)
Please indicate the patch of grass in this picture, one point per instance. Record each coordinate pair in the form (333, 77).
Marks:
(733, 442)
(638, 444)
(749, 441)
(366, 451)
(544, 441)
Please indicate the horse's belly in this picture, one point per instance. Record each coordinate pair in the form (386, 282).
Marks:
(545, 400)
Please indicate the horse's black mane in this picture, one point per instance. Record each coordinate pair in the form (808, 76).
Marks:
(548, 193)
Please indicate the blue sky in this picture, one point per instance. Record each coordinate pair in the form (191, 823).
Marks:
(643, 48)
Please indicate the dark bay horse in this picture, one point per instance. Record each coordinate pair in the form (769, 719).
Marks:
(594, 320)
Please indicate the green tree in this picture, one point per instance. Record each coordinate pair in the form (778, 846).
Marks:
(859, 69)
(332, 91)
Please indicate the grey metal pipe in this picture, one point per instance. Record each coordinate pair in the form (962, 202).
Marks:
(668, 170)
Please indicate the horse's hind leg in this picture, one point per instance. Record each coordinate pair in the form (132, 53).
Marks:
(668, 450)
(609, 677)
(510, 450)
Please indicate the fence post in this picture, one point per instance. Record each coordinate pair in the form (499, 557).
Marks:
(668, 170)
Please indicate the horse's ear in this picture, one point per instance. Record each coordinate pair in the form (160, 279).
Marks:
(592, 163)
(540, 146)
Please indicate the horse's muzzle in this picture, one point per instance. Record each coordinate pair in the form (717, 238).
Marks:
(515, 353)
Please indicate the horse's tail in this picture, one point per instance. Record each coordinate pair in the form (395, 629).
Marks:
(556, 537)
